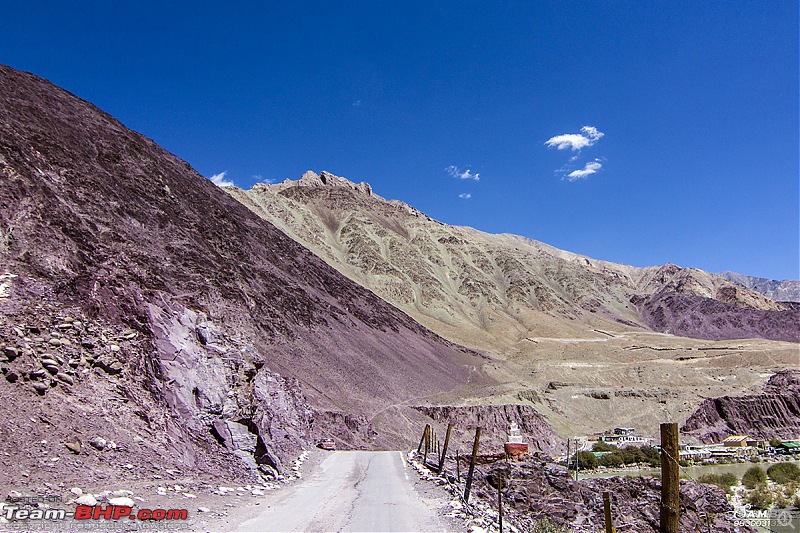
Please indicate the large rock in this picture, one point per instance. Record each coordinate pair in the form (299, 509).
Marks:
(537, 490)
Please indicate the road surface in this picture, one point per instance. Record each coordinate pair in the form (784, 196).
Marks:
(351, 491)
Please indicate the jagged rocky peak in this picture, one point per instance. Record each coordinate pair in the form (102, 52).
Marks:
(326, 179)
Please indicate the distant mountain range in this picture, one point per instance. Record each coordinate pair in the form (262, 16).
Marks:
(487, 290)
(787, 290)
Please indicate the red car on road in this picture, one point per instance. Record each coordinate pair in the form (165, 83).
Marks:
(327, 444)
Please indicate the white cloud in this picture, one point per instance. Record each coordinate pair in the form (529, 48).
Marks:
(588, 136)
(465, 195)
(466, 175)
(261, 179)
(591, 168)
(220, 181)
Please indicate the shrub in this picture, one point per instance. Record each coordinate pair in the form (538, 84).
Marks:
(784, 473)
(723, 481)
(546, 526)
(755, 475)
(760, 498)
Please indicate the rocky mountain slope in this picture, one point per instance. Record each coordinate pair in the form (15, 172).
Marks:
(786, 290)
(589, 344)
(139, 295)
(488, 290)
(775, 413)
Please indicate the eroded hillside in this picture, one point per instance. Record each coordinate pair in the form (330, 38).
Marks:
(571, 335)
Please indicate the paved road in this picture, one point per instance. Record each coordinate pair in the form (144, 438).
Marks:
(351, 491)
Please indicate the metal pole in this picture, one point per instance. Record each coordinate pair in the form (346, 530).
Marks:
(577, 460)
(472, 464)
(670, 482)
(444, 451)
(567, 457)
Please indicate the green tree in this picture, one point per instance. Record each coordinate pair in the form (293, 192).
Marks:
(587, 460)
(755, 475)
(612, 460)
(601, 446)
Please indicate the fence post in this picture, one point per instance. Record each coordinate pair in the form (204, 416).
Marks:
(424, 434)
(607, 511)
(427, 448)
(670, 482)
(472, 464)
(444, 450)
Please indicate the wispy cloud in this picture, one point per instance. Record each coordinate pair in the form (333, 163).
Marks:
(591, 168)
(465, 195)
(261, 179)
(588, 136)
(465, 175)
(220, 181)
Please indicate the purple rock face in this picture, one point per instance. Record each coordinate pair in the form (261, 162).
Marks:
(234, 320)
(707, 318)
(773, 414)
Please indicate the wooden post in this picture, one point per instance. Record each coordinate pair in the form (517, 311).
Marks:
(444, 450)
(427, 448)
(670, 482)
(424, 434)
(472, 464)
(500, 500)
(607, 510)
(458, 466)
(577, 460)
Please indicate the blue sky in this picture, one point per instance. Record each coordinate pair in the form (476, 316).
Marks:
(697, 104)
